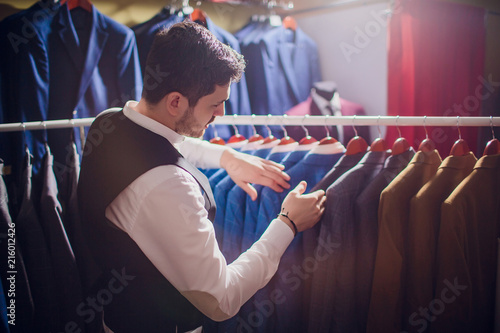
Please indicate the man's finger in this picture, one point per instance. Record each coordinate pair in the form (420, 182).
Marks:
(274, 171)
(301, 187)
(271, 183)
(318, 194)
(249, 189)
(275, 164)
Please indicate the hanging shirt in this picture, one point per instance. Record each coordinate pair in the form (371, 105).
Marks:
(385, 312)
(467, 252)
(366, 216)
(333, 285)
(423, 228)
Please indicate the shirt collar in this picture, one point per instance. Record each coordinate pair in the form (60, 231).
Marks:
(144, 121)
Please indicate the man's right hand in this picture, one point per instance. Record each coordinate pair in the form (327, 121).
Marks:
(304, 210)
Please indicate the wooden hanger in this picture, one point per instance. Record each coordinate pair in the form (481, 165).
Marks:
(286, 139)
(427, 144)
(460, 147)
(289, 23)
(199, 16)
(378, 144)
(327, 140)
(237, 137)
(270, 137)
(72, 4)
(217, 139)
(493, 146)
(401, 145)
(306, 140)
(357, 144)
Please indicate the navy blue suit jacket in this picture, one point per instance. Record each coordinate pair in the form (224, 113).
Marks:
(284, 68)
(51, 73)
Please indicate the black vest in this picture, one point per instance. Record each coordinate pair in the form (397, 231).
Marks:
(117, 152)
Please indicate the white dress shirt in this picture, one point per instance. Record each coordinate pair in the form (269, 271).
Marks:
(163, 212)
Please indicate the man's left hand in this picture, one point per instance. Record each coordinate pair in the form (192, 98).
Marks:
(245, 169)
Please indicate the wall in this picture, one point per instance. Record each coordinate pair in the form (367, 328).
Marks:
(352, 45)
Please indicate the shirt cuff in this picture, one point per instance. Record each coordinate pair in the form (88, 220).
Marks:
(279, 234)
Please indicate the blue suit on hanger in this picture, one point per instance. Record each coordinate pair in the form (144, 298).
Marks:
(288, 315)
(252, 207)
(71, 61)
(284, 72)
(235, 215)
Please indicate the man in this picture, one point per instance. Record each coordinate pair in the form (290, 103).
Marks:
(147, 211)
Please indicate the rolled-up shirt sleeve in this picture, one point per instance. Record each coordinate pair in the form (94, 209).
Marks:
(163, 212)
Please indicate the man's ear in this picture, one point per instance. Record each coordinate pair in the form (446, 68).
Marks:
(176, 104)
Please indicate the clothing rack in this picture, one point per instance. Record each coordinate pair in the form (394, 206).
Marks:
(288, 121)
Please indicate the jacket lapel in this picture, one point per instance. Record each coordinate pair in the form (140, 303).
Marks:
(97, 40)
(285, 55)
(68, 37)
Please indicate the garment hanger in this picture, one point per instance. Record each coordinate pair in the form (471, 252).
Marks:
(256, 136)
(217, 139)
(307, 139)
(357, 144)
(493, 146)
(72, 4)
(286, 139)
(460, 147)
(237, 137)
(401, 145)
(327, 140)
(198, 16)
(427, 144)
(270, 137)
(378, 144)
(289, 23)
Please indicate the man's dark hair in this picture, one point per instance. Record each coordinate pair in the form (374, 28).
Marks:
(187, 58)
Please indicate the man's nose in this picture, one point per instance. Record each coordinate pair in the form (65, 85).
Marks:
(221, 110)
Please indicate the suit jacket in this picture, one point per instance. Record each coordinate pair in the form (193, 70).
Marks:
(249, 217)
(281, 71)
(37, 259)
(66, 275)
(385, 312)
(467, 251)
(62, 72)
(13, 262)
(333, 285)
(235, 218)
(288, 316)
(319, 104)
(423, 228)
(366, 217)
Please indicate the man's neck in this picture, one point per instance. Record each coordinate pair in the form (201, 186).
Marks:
(154, 112)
